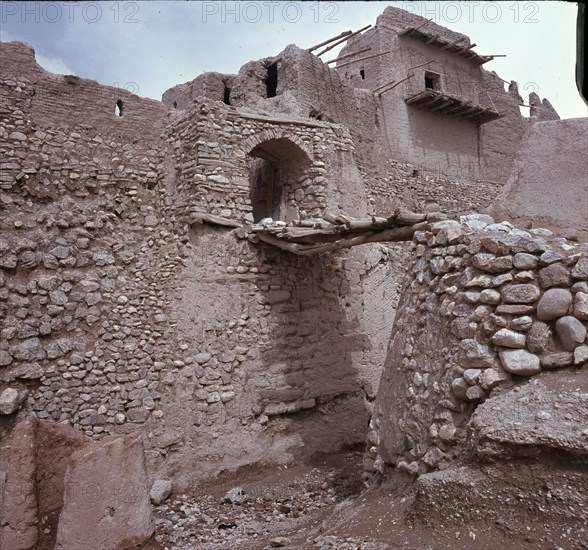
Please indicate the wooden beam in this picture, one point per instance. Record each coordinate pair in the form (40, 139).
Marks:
(446, 47)
(412, 29)
(290, 247)
(394, 85)
(203, 217)
(420, 65)
(362, 59)
(344, 39)
(432, 39)
(395, 234)
(349, 55)
(345, 33)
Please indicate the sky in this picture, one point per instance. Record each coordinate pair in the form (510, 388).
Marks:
(148, 47)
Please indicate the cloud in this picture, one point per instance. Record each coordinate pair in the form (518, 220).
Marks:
(53, 64)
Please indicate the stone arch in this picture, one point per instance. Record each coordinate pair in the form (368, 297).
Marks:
(278, 170)
(276, 133)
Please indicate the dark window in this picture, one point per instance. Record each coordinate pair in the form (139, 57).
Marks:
(175, 104)
(266, 190)
(118, 108)
(271, 81)
(227, 95)
(362, 74)
(432, 81)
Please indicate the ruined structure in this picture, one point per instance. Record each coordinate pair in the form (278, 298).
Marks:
(122, 311)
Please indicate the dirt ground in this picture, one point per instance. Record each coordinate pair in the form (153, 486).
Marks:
(324, 505)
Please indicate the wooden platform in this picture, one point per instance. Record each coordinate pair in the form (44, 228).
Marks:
(337, 232)
(445, 104)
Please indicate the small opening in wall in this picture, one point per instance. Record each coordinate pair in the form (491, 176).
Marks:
(118, 108)
(271, 81)
(175, 104)
(415, 173)
(227, 95)
(432, 81)
(315, 114)
(362, 74)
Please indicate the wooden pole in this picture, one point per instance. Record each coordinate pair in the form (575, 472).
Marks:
(342, 40)
(381, 91)
(344, 33)
(349, 55)
(361, 59)
(395, 234)
(417, 28)
(420, 65)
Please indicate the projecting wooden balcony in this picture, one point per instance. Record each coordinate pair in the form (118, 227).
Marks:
(444, 104)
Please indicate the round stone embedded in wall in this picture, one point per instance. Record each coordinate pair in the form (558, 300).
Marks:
(520, 362)
(571, 332)
(509, 338)
(554, 304)
(520, 294)
(554, 275)
(522, 260)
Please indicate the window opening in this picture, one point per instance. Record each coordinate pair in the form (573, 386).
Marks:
(271, 81)
(432, 81)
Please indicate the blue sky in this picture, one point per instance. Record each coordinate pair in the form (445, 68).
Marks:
(148, 47)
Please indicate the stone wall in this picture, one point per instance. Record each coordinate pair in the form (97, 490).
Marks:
(122, 314)
(486, 306)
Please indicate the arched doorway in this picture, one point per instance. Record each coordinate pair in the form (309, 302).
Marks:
(277, 169)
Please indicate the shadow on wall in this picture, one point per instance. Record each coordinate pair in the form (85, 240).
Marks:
(312, 391)
(278, 166)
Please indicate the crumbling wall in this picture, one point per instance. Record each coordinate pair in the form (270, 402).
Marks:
(120, 312)
(552, 151)
(211, 85)
(486, 306)
(69, 101)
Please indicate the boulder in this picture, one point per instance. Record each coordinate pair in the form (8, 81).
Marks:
(554, 275)
(107, 502)
(520, 294)
(553, 304)
(18, 501)
(160, 490)
(520, 362)
(11, 399)
(571, 332)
